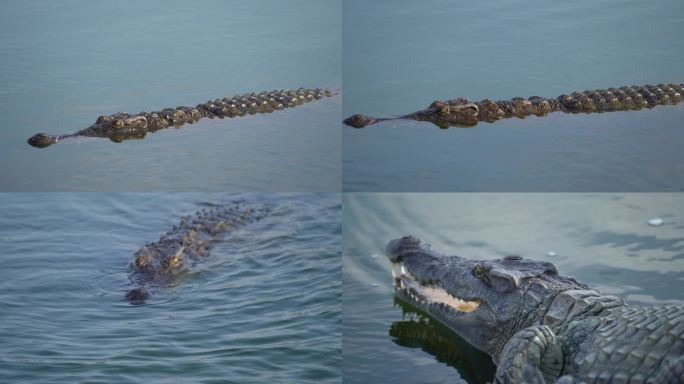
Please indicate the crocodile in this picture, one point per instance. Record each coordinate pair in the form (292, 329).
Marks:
(123, 126)
(461, 112)
(164, 263)
(537, 325)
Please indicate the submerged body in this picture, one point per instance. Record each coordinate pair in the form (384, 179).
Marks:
(540, 326)
(464, 113)
(122, 126)
(164, 262)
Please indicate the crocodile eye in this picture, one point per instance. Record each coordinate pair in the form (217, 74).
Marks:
(141, 261)
(118, 123)
(440, 107)
(479, 270)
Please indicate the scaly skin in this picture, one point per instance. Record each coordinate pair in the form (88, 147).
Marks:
(122, 126)
(540, 326)
(164, 262)
(462, 112)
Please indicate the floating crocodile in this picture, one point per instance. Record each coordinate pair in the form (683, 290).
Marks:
(462, 112)
(122, 126)
(540, 326)
(164, 262)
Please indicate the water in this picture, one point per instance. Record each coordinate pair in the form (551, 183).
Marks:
(602, 239)
(65, 63)
(264, 307)
(401, 55)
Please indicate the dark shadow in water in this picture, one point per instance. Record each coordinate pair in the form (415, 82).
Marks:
(420, 330)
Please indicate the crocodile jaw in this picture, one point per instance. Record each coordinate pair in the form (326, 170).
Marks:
(42, 140)
(429, 294)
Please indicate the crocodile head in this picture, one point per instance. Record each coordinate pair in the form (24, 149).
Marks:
(120, 127)
(359, 121)
(484, 301)
(42, 140)
(457, 112)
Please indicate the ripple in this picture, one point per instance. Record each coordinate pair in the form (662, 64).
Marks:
(264, 306)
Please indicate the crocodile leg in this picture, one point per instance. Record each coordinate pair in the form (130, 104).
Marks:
(530, 356)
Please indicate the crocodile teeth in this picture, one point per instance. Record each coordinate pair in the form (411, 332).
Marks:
(431, 294)
(441, 296)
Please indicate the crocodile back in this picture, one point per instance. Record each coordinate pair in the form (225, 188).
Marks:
(627, 342)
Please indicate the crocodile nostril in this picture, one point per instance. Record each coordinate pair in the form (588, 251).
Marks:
(397, 248)
(137, 295)
(358, 121)
(41, 140)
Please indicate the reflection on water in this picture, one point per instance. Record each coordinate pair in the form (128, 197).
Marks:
(604, 240)
(418, 330)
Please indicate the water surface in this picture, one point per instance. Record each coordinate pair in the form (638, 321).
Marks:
(65, 63)
(603, 240)
(401, 55)
(264, 306)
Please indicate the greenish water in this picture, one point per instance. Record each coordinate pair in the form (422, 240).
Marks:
(400, 55)
(65, 63)
(601, 239)
(264, 306)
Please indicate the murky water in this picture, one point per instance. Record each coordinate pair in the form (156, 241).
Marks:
(264, 306)
(66, 63)
(603, 240)
(400, 55)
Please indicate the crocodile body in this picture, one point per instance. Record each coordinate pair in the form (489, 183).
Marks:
(164, 262)
(122, 126)
(540, 326)
(462, 112)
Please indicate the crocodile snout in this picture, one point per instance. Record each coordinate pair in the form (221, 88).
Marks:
(137, 295)
(41, 140)
(359, 121)
(397, 248)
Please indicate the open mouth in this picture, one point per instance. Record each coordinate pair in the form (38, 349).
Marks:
(429, 293)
